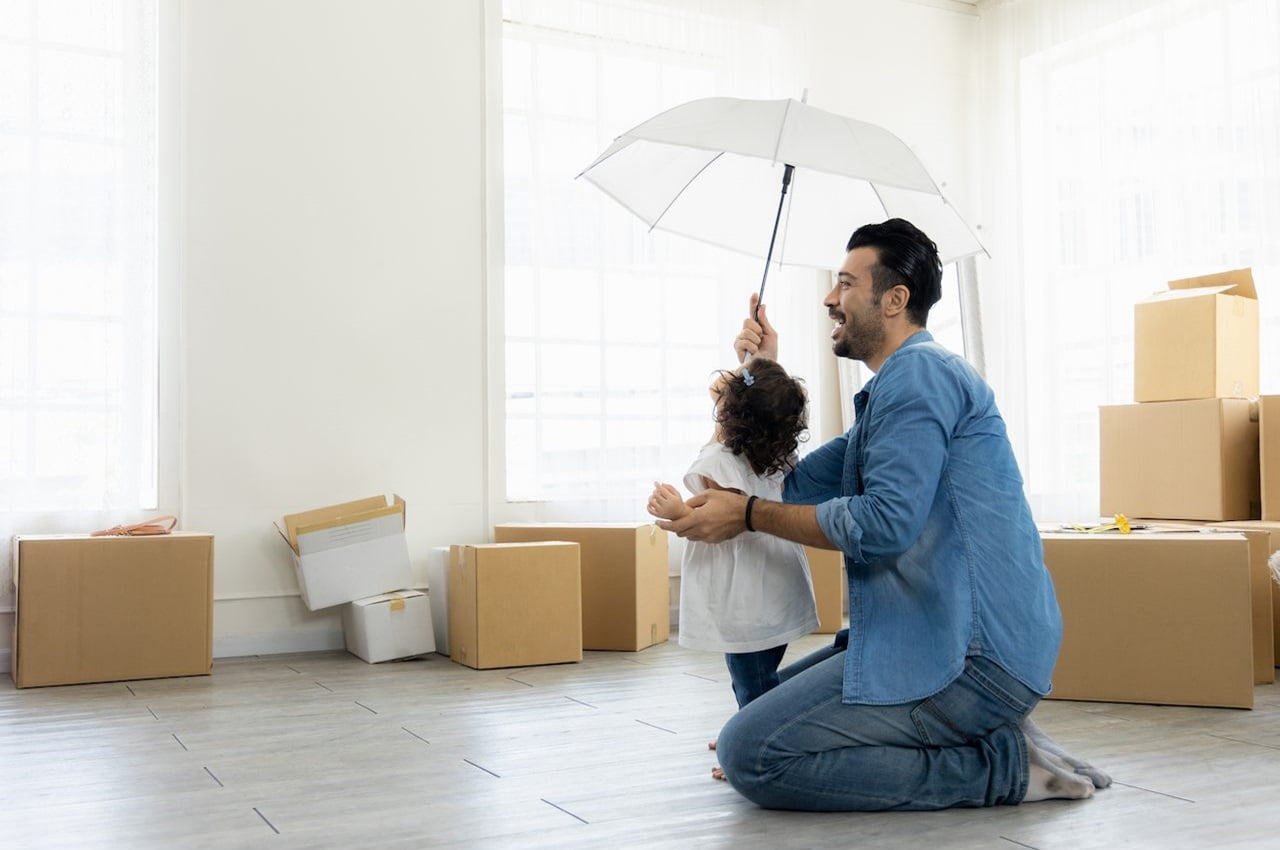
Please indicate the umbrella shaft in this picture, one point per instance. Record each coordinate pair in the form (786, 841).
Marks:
(782, 199)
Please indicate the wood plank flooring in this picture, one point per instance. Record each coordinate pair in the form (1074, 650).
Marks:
(323, 750)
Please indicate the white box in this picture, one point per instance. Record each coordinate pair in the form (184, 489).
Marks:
(438, 593)
(349, 551)
(389, 626)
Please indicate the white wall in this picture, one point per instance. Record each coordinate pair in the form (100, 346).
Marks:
(332, 284)
(907, 65)
(333, 257)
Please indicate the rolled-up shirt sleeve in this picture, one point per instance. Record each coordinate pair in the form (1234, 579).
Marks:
(908, 424)
(816, 477)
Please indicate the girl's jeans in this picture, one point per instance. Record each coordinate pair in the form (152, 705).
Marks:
(753, 673)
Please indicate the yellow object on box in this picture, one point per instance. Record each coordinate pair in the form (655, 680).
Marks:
(1120, 524)
(1199, 339)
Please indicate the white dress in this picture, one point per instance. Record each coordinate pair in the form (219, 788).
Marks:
(749, 593)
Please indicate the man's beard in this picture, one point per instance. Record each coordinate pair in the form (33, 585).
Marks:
(861, 337)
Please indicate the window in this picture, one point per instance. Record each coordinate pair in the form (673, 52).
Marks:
(1148, 151)
(78, 255)
(612, 333)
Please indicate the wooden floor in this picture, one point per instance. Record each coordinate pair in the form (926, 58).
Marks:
(324, 750)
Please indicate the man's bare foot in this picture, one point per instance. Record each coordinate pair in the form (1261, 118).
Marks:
(1051, 778)
(718, 773)
(711, 745)
(1037, 736)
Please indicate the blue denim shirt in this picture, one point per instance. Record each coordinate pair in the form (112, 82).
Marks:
(924, 497)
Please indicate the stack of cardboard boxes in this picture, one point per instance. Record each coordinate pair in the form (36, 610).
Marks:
(355, 554)
(1179, 617)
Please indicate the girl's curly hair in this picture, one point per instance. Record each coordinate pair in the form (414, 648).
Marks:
(766, 420)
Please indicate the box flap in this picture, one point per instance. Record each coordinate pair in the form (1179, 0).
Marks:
(1239, 281)
(342, 514)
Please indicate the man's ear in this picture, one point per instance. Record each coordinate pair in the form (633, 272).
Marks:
(894, 302)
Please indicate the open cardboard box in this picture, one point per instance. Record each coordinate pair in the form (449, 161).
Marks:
(349, 551)
(1199, 339)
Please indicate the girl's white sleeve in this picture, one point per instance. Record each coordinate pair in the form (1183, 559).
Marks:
(716, 464)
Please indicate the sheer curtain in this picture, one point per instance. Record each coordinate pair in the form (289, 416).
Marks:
(78, 257)
(1130, 143)
(612, 333)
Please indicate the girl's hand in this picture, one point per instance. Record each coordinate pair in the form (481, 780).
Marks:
(665, 502)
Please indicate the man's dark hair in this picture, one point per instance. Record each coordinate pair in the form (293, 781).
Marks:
(907, 257)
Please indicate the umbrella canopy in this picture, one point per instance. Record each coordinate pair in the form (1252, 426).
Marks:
(712, 170)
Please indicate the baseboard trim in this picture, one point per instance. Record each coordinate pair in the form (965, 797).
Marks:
(279, 643)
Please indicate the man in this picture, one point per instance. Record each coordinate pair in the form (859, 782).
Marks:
(953, 623)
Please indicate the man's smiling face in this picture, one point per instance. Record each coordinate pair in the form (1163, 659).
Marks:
(859, 333)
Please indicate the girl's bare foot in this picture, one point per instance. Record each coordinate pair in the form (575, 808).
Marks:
(718, 773)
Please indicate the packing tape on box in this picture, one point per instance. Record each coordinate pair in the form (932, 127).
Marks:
(397, 602)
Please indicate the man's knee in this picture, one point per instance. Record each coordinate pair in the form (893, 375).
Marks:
(741, 752)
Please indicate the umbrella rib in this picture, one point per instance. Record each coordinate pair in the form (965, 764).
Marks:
(688, 182)
(782, 128)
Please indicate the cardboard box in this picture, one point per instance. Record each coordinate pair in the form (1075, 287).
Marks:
(1194, 460)
(1269, 454)
(389, 626)
(1153, 618)
(1197, 340)
(625, 581)
(1264, 538)
(349, 551)
(106, 609)
(1272, 528)
(826, 566)
(438, 593)
(515, 604)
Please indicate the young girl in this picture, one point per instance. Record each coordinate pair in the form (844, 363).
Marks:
(746, 597)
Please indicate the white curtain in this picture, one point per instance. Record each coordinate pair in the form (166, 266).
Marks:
(612, 333)
(78, 258)
(1129, 143)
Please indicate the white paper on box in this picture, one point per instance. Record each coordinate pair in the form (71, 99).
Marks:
(438, 593)
(389, 626)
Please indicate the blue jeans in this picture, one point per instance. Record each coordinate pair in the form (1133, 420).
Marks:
(753, 673)
(799, 747)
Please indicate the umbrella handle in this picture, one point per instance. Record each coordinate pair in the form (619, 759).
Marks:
(782, 199)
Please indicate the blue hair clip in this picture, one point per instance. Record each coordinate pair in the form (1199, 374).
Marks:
(747, 377)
